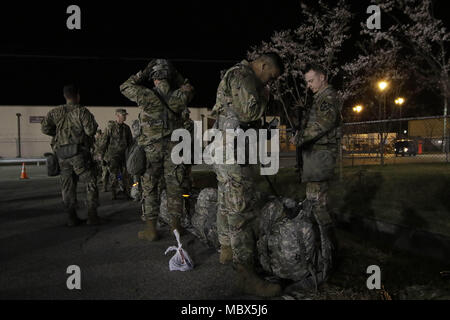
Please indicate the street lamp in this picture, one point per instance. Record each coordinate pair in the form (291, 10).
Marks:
(358, 109)
(399, 102)
(382, 86)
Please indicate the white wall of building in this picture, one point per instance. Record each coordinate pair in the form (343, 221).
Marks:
(34, 143)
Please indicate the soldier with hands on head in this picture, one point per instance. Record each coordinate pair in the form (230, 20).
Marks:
(242, 99)
(161, 109)
(73, 127)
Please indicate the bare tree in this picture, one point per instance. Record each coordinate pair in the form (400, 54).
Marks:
(319, 39)
(425, 40)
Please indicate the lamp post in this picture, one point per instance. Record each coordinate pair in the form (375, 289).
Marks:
(399, 102)
(19, 146)
(357, 110)
(382, 86)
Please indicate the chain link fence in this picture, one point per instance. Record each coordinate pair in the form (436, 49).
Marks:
(410, 140)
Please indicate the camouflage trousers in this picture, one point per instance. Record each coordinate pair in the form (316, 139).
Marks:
(72, 170)
(162, 173)
(236, 210)
(104, 175)
(116, 166)
(317, 193)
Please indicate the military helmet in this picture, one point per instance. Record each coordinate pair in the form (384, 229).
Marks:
(162, 69)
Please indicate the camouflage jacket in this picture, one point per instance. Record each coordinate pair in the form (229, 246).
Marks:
(240, 98)
(115, 139)
(70, 124)
(323, 121)
(96, 147)
(152, 110)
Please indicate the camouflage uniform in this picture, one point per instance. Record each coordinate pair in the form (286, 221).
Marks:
(157, 124)
(116, 139)
(240, 102)
(102, 169)
(319, 142)
(73, 124)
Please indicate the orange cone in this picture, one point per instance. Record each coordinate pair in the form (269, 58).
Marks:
(23, 175)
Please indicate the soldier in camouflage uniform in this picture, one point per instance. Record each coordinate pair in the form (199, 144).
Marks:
(161, 111)
(73, 127)
(136, 190)
(95, 152)
(242, 98)
(116, 139)
(319, 141)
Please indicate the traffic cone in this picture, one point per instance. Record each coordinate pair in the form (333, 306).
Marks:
(23, 175)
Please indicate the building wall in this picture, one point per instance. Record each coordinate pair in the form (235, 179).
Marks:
(429, 128)
(34, 143)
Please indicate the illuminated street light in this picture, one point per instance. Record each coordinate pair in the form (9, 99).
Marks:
(399, 101)
(382, 85)
(358, 109)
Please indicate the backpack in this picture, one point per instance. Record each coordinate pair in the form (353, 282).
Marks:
(204, 219)
(289, 244)
(136, 161)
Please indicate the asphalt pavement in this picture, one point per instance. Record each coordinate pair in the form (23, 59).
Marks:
(36, 249)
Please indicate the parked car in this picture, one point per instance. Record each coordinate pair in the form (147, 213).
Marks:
(405, 147)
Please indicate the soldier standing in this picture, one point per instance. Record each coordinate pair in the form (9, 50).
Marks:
(115, 141)
(161, 111)
(73, 127)
(242, 99)
(319, 142)
(96, 154)
(136, 190)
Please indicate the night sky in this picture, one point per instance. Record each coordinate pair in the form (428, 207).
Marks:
(119, 38)
(38, 54)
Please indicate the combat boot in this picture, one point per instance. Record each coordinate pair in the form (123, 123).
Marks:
(226, 254)
(93, 218)
(73, 219)
(249, 283)
(149, 233)
(176, 224)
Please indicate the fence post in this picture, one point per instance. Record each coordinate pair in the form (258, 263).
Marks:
(19, 146)
(446, 148)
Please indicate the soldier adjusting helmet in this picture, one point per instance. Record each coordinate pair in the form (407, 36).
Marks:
(162, 70)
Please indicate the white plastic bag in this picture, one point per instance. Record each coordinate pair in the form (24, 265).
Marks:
(181, 260)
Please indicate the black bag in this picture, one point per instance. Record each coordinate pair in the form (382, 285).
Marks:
(67, 151)
(136, 160)
(53, 168)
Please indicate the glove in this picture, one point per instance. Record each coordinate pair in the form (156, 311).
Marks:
(145, 74)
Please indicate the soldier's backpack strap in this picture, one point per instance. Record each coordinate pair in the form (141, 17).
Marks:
(166, 108)
(164, 102)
